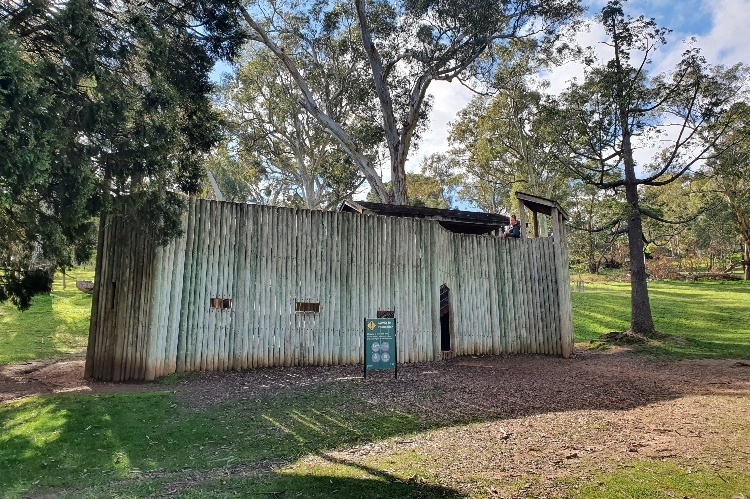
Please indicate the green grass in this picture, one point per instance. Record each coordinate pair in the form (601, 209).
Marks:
(55, 325)
(657, 479)
(84, 442)
(699, 320)
(146, 445)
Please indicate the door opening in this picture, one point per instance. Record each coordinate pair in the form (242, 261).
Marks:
(445, 319)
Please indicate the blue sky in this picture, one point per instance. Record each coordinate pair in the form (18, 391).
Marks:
(721, 29)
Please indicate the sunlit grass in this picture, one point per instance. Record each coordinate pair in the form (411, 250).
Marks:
(88, 440)
(658, 479)
(700, 319)
(55, 325)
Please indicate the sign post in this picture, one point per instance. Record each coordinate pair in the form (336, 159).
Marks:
(380, 345)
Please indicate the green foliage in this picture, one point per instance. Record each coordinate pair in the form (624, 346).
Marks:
(407, 45)
(57, 324)
(424, 190)
(96, 104)
(596, 223)
(506, 143)
(278, 153)
(727, 175)
(602, 118)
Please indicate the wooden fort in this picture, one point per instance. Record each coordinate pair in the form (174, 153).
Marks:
(251, 286)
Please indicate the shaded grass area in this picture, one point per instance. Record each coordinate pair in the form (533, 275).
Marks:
(695, 320)
(80, 443)
(55, 325)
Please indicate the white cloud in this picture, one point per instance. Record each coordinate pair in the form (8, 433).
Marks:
(729, 38)
(449, 99)
(721, 29)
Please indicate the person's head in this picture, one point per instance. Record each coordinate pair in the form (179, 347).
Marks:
(513, 220)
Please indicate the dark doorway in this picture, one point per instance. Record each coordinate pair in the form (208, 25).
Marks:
(445, 319)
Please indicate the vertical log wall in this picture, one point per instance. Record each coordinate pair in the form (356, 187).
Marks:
(152, 311)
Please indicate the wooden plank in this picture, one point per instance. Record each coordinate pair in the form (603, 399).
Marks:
(165, 288)
(528, 287)
(243, 327)
(511, 300)
(202, 302)
(285, 282)
(219, 315)
(273, 304)
(551, 293)
(236, 255)
(254, 289)
(266, 358)
(340, 262)
(187, 287)
(124, 355)
(212, 257)
(228, 361)
(157, 302)
(538, 311)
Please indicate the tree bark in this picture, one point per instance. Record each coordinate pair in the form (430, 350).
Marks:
(641, 320)
(396, 147)
(744, 224)
(324, 119)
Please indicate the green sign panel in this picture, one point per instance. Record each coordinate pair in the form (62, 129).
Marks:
(380, 344)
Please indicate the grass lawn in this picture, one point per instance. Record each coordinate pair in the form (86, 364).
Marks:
(53, 326)
(700, 320)
(141, 445)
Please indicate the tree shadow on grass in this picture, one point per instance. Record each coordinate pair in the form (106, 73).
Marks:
(80, 442)
(336, 477)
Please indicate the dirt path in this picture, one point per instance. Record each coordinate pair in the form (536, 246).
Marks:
(542, 417)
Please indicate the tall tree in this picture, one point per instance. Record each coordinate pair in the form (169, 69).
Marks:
(424, 191)
(619, 106)
(728, 175)
(299, 162)
(505, 142)
(100, 100)
(408, 45)
(596, 224)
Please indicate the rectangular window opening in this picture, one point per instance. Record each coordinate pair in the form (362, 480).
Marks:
(221, 303)
(307, 306)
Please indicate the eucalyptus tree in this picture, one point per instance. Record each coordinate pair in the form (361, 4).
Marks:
(408, 44)
(619, 106)
(298, 162)
(502, 138)
(727, 175)
(99, 100)
(596, 226)
(424, 191)
(506, 146)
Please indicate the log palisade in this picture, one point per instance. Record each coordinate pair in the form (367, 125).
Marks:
(250, 286)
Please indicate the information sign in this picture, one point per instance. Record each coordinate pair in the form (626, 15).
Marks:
(380, 345)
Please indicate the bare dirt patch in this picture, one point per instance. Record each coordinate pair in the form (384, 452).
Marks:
(538, 421)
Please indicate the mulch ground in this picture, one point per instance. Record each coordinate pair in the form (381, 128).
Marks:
(543, 422)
